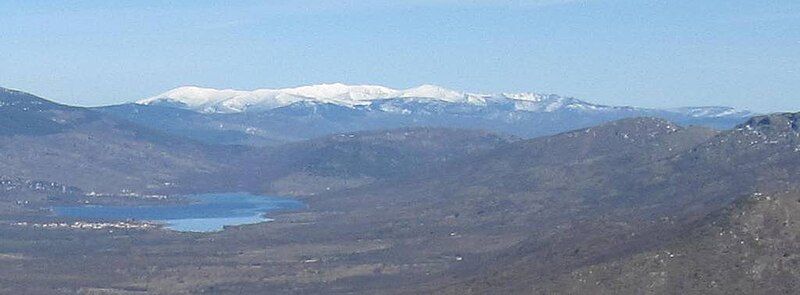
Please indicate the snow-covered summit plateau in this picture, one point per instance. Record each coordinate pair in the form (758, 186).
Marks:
(209, 100)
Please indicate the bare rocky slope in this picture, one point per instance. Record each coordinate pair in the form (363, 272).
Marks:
(676, 202)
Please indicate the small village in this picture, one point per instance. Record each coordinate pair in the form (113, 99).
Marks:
(91, 225)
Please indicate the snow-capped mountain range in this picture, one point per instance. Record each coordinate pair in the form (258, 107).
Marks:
(208, 100)
(272, 116)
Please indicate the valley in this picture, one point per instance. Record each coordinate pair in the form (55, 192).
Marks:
(628, 204)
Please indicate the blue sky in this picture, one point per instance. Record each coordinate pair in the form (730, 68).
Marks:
(623, 52)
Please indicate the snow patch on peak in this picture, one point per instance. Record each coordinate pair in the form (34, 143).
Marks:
(525, 96)
(193, 97)
(338, 92)
(536, 102)
(433, 91)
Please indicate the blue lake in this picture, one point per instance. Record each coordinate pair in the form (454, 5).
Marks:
(203, 213)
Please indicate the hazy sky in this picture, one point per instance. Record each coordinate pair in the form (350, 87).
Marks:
(741, 53)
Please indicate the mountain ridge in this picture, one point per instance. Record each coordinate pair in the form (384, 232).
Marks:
(285, 117)
(277, 116)
(210, 100)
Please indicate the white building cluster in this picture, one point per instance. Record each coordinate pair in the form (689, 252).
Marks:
(90, 225)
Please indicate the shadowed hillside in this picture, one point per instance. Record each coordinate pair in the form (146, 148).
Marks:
(355, 159)
(747, 248)
(76, 146)
(675, 196)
